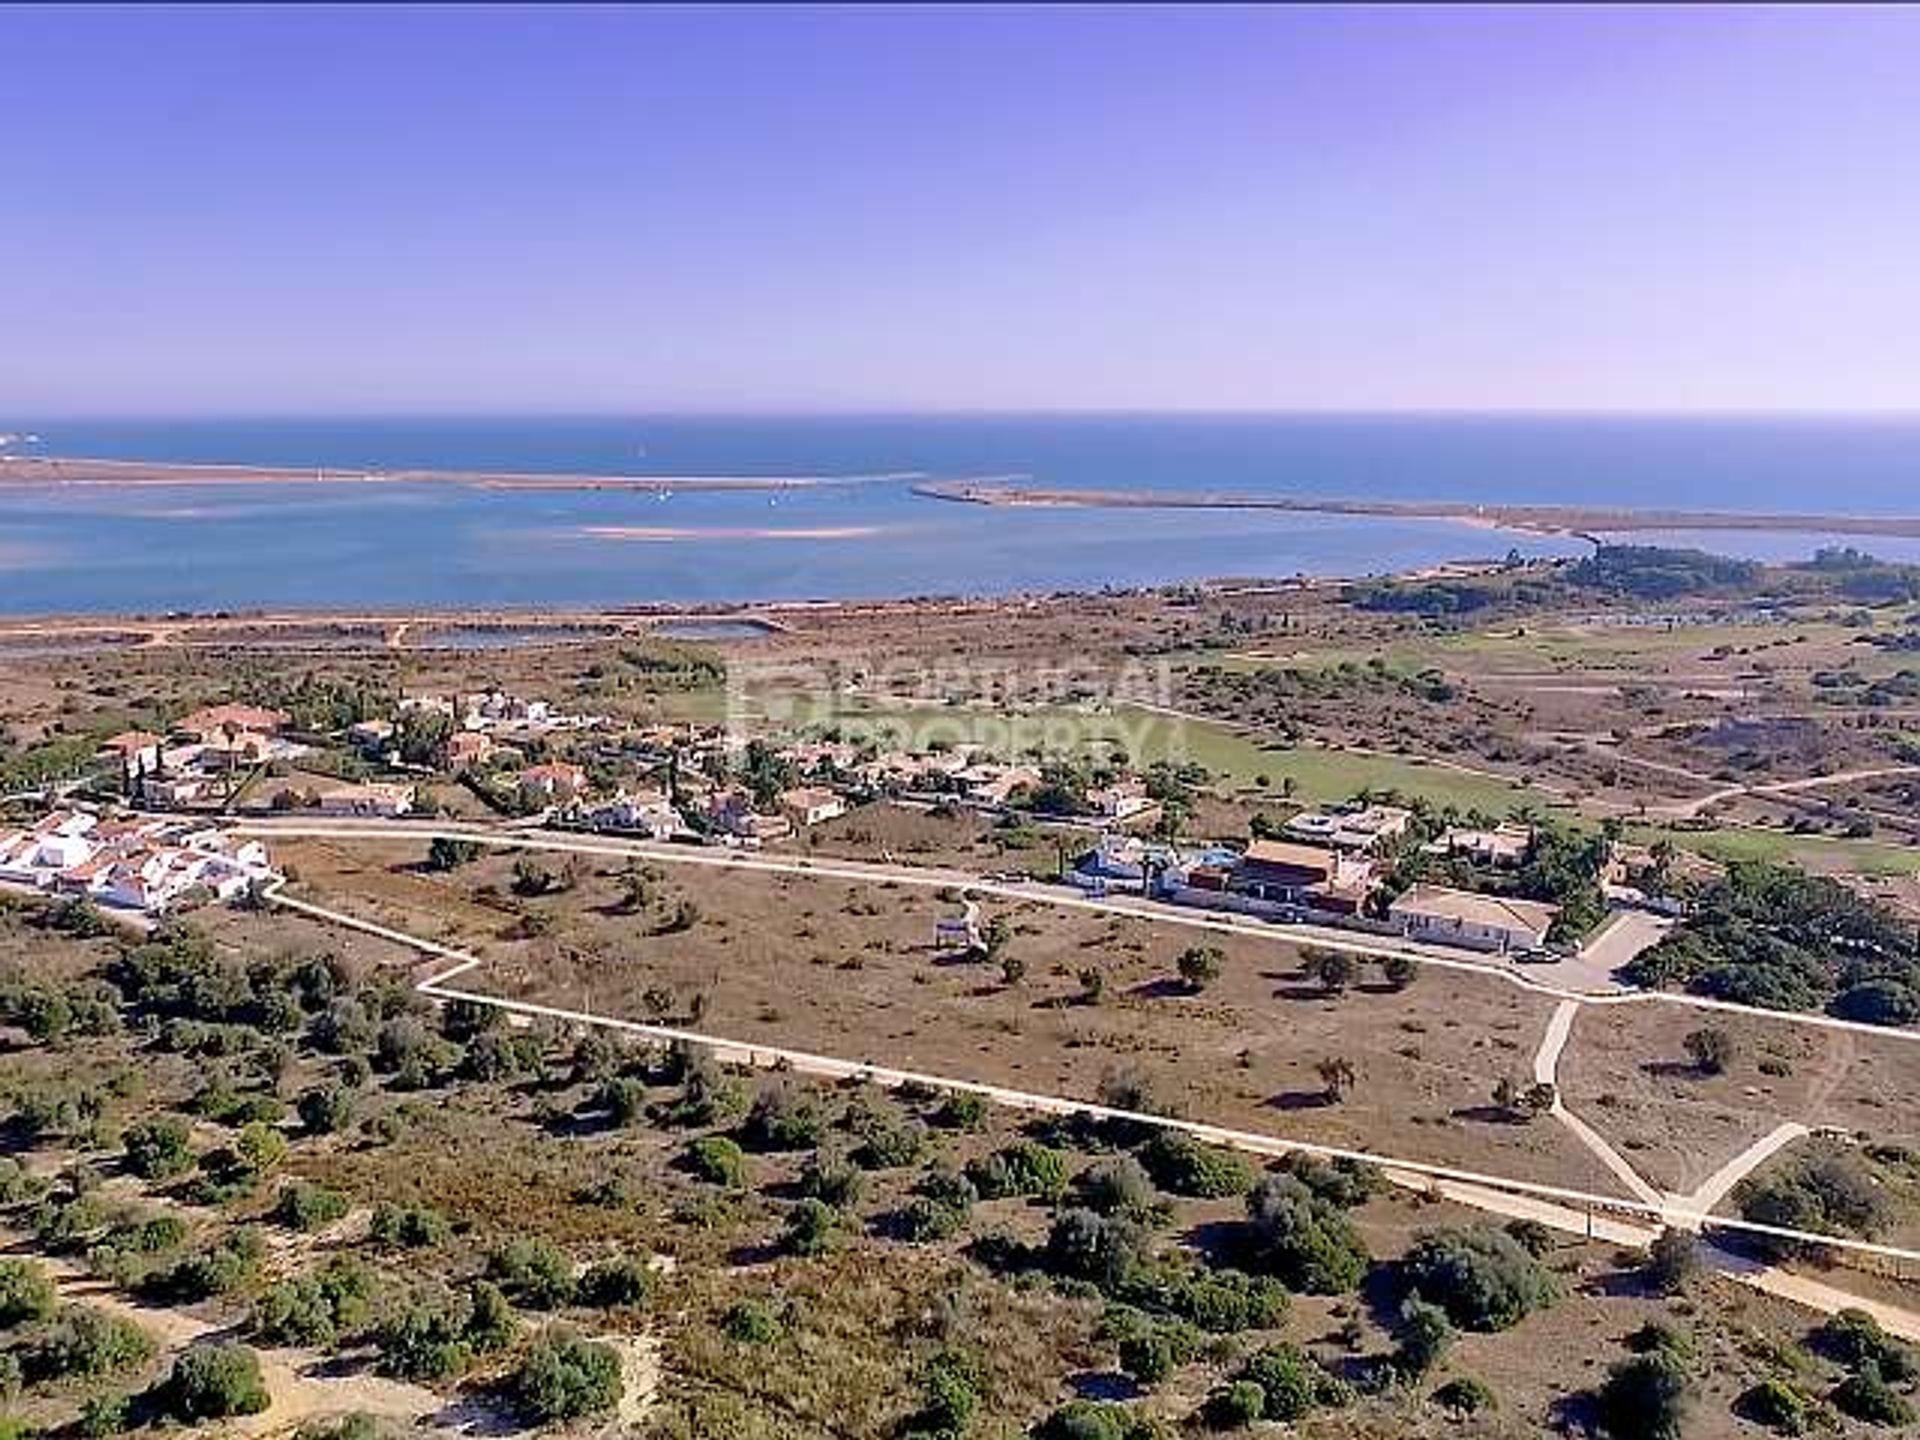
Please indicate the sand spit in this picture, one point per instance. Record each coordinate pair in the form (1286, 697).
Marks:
(670, 533)
(135, 474)
(1582, 521)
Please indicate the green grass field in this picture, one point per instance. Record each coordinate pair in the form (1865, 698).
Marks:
(1829, 855)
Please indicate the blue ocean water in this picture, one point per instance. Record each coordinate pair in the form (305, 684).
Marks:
(203, 547)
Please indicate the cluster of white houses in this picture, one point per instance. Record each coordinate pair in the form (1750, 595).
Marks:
(147, 864)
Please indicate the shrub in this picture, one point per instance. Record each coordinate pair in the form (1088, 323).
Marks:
(157, 1149)
(961, 1111)
(1100, 1249)
(1866, 1396)
(1829, 1193)
(1483, 1278)
(1235, 1406)
(326, 1109)
(1711, 1048)
(490, 1323)
(1465, 1396)
(1673, 1260)
(1298, 1236)
(1093, 1420)
(718, 1161)
(782, 1118)
(228, 1265)
(1025, 1167)
(25, 1292)
(1116, 1186)
(748, 1322)
(533, 1273)
(1291, 1383)
(1778, 1406)
(103, 1415)
(1421, 1338)
(949, 1382)
(1200, 966)
(424, 1339)
(1348, 1184)
(317, 1309)
(812, 1228)
(304, 1206)
(1182, 1165)
(1853, 1338)
(836, 1182)
(888, 1141)
(1148, 1357)
(1647, 1398)
(80, 1341)
(1220, 1301)
(565, 1377)
(622, 1281)
(408, 1227)
(212, 1382)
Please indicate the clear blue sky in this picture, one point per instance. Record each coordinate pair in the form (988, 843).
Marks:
(225, 210)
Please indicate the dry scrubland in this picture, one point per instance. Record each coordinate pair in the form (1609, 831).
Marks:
(832, 968)
(1627, 1070)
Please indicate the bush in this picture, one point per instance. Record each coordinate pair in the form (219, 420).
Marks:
(782, 1118)
(408, 1227)
(623, 1281)
(228, 1265)
(950, 1384)
(1093, 1420)
(212, 1382)
(318, 1309)
(84, 1342)
(1291, 1383)
(103, 1415)
(1673, 1260)
(718, 1161)
(304, 1206)
(1483, 1278)
(961, 1111)
(812, 1228)
(1853, 1338)
(888, 1141)
(1421, 1338)
(1148, 1357)
(748, 1322)
(424, 1339)
(1866, 1396)
(1348, 1184)
(533, 1273)
(326, 1109)
(1182, 1165)
(1099, 1249)
(1116, 1186)
(25, 1292)
(157, 1149)
(1465, 1396)
(1219, 1301)
(836, 1182)
(1711, 1048)
(1200, 966)
(1023, 1168)
(565, 1377)
(1300, 1237)
(1778, 1406)
(1235, 1406)
(1647, 1398)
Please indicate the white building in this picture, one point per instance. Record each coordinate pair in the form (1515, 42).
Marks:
(1495, 923)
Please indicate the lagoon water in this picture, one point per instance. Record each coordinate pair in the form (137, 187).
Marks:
(100, 549)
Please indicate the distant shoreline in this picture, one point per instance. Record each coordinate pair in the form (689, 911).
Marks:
(139, 474)
(1581, 522)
